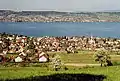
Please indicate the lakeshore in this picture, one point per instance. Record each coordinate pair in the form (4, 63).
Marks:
(55, 16)
(13, 43)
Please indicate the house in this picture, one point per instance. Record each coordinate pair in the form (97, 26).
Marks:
(43, 57)
(5, 52)
(1, 58)
(22, 54)
(18, 59)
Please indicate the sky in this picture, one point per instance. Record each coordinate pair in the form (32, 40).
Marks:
(60, 5)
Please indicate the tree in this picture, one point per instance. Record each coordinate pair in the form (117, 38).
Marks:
(56, 62)
(103, 58)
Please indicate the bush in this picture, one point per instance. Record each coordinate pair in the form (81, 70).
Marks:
(116, 63)
(65, 68)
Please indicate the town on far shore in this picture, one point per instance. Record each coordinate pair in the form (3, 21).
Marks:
(56, 16)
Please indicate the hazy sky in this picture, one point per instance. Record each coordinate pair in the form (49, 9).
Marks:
(61, 5)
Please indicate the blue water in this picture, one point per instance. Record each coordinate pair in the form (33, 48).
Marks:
(101, 29)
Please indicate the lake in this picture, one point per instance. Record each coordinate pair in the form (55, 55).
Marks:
(101, 29)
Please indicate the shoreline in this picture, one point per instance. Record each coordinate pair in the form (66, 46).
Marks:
(59, 22)
(54, 16)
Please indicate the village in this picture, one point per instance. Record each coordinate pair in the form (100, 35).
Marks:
(55, 16)
(32, 49)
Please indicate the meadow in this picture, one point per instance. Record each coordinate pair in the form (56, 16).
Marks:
(29, 73)
(43, 71)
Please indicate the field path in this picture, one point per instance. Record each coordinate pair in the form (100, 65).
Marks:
(80, 64)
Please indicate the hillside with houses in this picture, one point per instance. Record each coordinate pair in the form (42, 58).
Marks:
(38, 47)
(56, 16)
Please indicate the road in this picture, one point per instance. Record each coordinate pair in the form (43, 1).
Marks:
(80, 64)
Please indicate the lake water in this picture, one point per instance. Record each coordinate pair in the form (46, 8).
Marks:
(102, 29)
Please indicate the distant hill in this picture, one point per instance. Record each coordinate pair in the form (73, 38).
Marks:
(56, 16)
(25, 13)
(111, 11)
(51, 13)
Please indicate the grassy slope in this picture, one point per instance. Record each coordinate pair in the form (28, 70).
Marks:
(112, 73)
(83, 57)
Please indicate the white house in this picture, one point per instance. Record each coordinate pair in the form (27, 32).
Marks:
(18, 59)
(43, 57)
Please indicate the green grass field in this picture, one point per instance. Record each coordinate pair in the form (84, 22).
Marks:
(111, 73)
(84, 57)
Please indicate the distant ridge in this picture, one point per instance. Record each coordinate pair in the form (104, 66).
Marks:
(58, 16)
(111, 11)
(57, 11)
